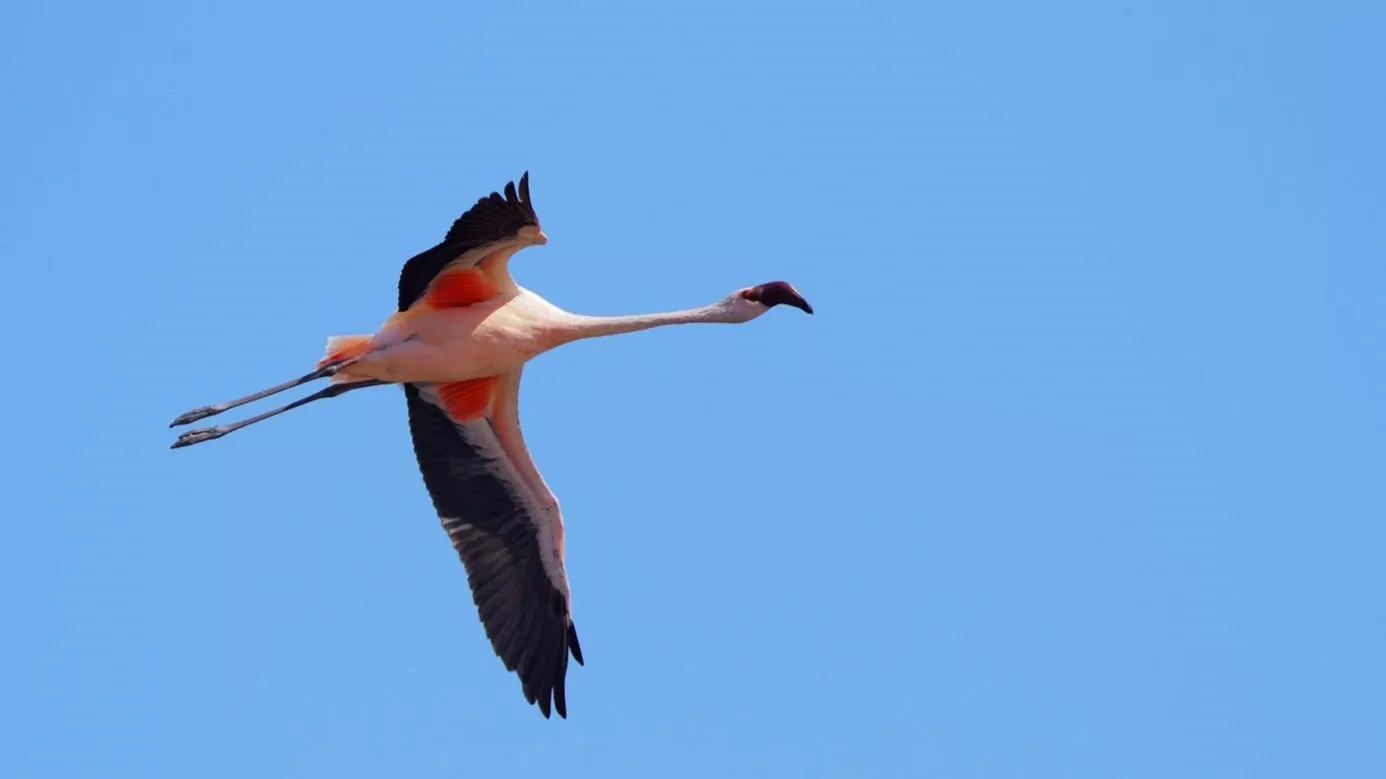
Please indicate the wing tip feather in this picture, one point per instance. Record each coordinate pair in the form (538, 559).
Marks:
(573, 645)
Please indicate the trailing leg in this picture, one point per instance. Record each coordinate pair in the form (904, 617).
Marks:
(209, 433)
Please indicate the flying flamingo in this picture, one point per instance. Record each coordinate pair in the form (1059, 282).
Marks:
(458, 343)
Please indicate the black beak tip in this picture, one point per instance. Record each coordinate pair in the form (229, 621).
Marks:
(780, 293)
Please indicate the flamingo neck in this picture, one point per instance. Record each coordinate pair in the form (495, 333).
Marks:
(580, 327)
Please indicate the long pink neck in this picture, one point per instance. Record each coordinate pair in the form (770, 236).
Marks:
(579, 327)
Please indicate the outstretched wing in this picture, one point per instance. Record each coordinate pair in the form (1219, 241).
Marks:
(494, 218)
(508, 533)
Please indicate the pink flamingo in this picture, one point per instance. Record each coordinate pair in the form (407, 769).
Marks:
(458, 343)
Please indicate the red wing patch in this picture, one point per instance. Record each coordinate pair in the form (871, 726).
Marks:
(460, 288)
(471, 399)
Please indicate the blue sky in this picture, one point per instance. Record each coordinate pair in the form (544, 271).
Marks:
(1077, 471)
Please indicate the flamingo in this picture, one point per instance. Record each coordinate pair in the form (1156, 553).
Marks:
(458, 343)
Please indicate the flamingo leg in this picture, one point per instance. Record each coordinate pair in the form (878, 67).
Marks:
(209, 433)
(206, 411)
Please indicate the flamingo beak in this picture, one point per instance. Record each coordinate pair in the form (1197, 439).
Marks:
(774, 293)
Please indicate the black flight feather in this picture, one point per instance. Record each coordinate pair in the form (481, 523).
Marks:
(493, 218)
(486, 516)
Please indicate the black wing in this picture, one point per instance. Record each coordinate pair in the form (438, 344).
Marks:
(506, 542)
(493, 218)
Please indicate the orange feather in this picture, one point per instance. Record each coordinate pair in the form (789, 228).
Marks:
(469, 399)
(460, 288)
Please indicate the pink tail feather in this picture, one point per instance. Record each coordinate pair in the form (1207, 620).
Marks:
(344, 347)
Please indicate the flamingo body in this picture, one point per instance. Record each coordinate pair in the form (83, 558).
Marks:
(486, 338)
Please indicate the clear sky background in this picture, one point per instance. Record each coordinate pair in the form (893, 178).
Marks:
(1077, 471)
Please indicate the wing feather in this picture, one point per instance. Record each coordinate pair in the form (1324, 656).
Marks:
(490, 220)
(507, 540)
